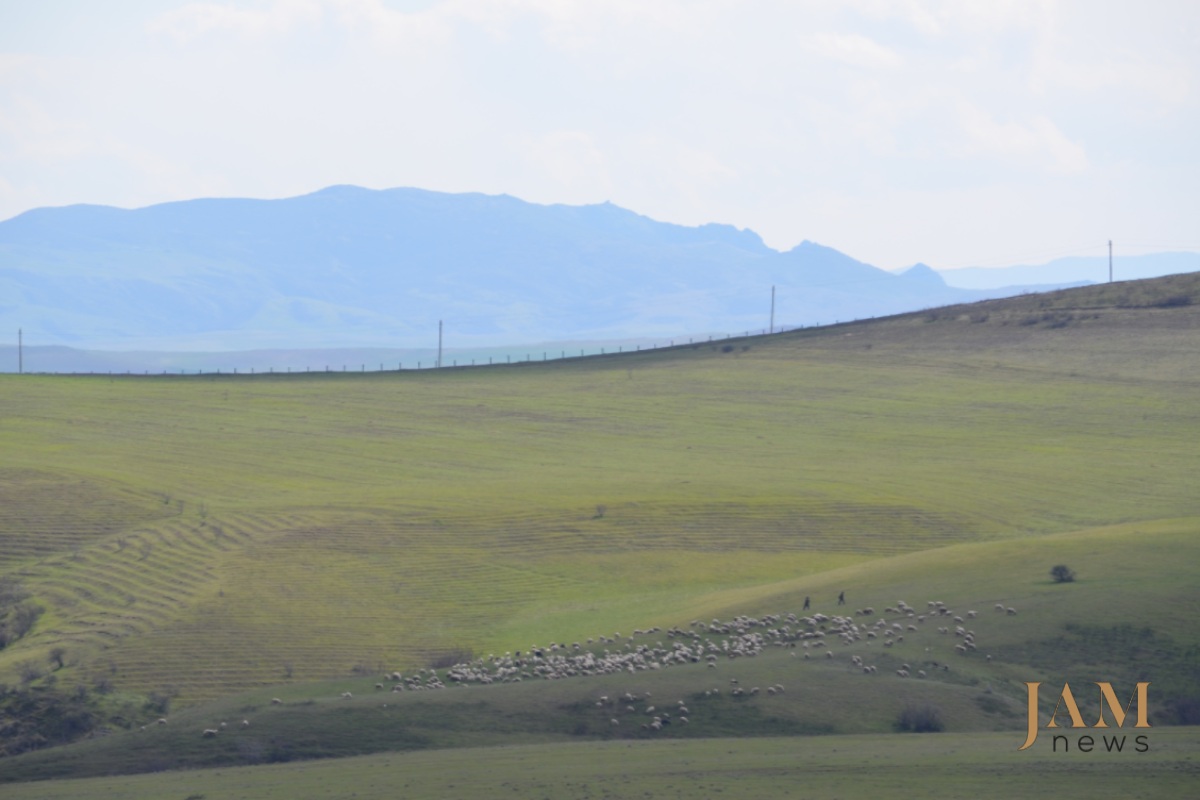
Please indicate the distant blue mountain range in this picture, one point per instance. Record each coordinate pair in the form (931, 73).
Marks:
(359, 268)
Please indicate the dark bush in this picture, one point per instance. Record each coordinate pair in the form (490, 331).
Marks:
(920, 719)
(1062, 573)
(1174, 301)
(1185, 710)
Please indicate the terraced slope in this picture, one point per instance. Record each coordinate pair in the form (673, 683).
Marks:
(1126, 618)
(228, 532)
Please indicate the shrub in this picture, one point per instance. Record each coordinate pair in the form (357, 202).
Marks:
(28, 671)
(1062, 573)
(920, 719)
(1175, 301)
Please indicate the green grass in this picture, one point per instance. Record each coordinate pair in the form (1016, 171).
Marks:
(1131, 579)
(202, 535)
(223, 540)
(843, 767)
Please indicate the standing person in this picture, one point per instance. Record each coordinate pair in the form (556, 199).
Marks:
(841, 598)
(806, 598)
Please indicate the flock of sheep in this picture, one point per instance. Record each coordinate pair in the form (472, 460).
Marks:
(709, 643)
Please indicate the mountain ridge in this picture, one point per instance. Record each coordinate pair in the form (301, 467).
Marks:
(347, 266)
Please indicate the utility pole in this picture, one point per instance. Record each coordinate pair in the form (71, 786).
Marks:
(1110, 260)
(439, 361)
(20, 353)
(772, 309)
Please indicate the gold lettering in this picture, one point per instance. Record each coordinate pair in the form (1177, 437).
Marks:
(1031, 736)
(1107, 695)
(1072, 709)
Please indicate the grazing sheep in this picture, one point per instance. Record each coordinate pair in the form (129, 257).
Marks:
(275, 701)
(614, 722)
(999, 606)
(209, 733)
(246, 722)
(347, 695)
(223, 725)
(162, 720)
(1012, 612)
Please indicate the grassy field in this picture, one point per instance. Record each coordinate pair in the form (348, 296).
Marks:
(1128, 617)
(219, 540)
(197, 535)
(950, 766)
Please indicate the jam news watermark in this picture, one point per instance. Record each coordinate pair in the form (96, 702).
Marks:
(1108, 698)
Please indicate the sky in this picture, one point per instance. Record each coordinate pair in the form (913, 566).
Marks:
(956, 133)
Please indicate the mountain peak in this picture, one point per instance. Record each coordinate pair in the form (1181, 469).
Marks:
(923, 273)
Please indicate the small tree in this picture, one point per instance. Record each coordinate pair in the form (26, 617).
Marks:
(58, 656)
(1062, 573)
(920, 719)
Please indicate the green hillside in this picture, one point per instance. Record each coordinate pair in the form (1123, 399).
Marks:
(197, 537)
(940, 767)
(1126, 618)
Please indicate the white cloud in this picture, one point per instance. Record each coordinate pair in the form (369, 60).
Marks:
(853, 49)
(573, 162)
(200, 19)
(792, 118)
(1037, 142)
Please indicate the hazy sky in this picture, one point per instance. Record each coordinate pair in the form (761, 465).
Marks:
(956, 133)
